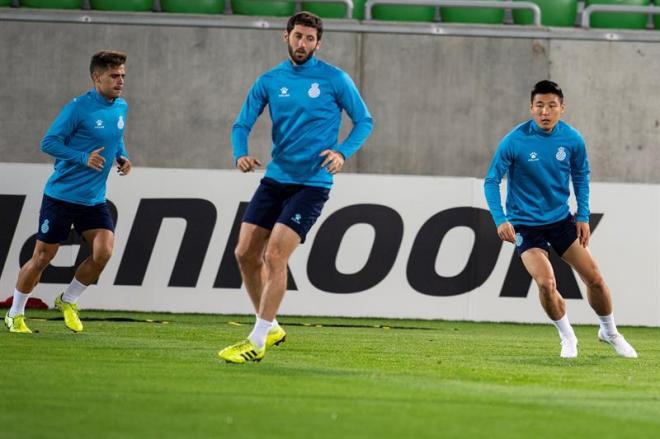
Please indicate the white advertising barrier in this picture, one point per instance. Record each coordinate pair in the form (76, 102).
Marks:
(385, 246)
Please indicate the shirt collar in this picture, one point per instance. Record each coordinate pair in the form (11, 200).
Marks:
(100, 99)
(311, 63)
(539, 130)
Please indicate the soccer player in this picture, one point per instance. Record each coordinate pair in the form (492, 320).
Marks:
(85, 139)
(305, 97)
(539, 157)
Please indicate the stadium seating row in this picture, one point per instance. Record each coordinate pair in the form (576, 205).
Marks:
(553, 12)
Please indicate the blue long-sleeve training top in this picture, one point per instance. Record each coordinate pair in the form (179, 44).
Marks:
(85, 124)
(305, 103)
(539, 167)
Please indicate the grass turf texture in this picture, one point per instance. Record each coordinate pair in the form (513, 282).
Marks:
(442, 379)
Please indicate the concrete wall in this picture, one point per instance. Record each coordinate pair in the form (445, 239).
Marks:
(440, 103)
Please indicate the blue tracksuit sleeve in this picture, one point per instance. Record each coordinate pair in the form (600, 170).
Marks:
(121, 150)
(121, 147)
(350, 100)
(580, 178)
(498, 169)
(60, 132)
(253, 106)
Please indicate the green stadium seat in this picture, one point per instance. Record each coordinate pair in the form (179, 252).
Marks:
(472, 15)
(193, 6)
(274, 8)
(334, 10)
(403, 13)
(616, 19)
(122, 5)
(52, 4)
(553, 13)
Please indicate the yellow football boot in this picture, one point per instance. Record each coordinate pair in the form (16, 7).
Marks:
(242, 352)
(276, 336)
(17, 324)
(70, 312)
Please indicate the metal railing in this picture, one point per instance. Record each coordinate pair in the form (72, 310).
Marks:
(459, 3)
(348, 3)
(342, 25)
(586, 14)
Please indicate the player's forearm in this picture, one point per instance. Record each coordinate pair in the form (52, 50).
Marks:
(121, 152)
(494, 200)
(54, 146)
(240, 131)
(356, 138)
(581, 189)
(239, 141)
(580, 179)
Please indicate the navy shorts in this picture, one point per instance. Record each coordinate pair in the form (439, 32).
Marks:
(295, 205)
(559, 236)
(56, 218)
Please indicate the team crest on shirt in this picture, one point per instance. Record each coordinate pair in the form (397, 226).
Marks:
(284, 92)
(561, 154)
(120, 123)
(314, 91)
(533, 157)
(99, 124)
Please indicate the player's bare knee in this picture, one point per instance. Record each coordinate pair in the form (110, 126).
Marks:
(101, 257)
(241, 255)
(597, 283)
(41, 259)
(275, 260)
(40, 262)
(247, 258)
(547, 286)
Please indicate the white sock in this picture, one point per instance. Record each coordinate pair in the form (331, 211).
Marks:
(73, 291)
(259, 332)
(273, 324)
(607, 325)
(18, 304)
(564, 327)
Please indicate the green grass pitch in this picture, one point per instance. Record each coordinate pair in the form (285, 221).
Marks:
(336, 378)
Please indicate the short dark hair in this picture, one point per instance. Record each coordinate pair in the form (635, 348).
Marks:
(105, 59)
(307, 19)
(547, 87)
